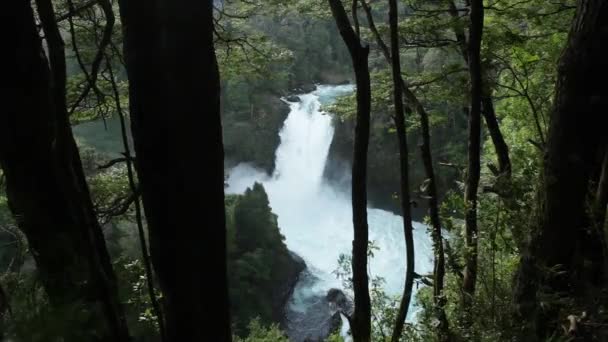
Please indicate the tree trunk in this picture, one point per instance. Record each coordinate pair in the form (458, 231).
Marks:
(427, 158)
(361, 322)
(46, 188)
(473, 169)
(601, 197)
(175, 117)
(500, 146)
(404, 170)
(576, 133)
(4, 310)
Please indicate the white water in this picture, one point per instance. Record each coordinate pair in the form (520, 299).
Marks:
(315, 217)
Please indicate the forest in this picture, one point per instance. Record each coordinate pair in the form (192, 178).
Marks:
(304, 171)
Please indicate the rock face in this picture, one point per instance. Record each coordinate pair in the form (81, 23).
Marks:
(285, 288)
(339, 303)
(311, 316)
(307, 313)
(251, 134)
(383, 165)
(304, 88)
(292, 98)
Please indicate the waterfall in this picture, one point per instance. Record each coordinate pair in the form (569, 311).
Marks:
(315, 217)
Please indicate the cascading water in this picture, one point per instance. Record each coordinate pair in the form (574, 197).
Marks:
(316, 218)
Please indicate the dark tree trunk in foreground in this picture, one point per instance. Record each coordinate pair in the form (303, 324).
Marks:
(427, 158)
(46, 188)
(4, 310)
(601, 197)
(175, 116)
(404, 170)
(576, 134)
(473, 168)
(361, 322)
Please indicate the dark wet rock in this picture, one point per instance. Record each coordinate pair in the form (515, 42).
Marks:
(339, 301)
(312, 316)
(285, 290)
(307, 88)
(292, 98)
(307, 314)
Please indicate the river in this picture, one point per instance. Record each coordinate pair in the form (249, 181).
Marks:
(315, 217)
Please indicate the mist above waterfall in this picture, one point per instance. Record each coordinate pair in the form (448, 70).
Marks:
(316, 217)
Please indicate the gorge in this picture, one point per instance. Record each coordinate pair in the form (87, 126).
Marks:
(315, 215)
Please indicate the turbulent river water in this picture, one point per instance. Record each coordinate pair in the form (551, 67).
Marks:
(315, 217)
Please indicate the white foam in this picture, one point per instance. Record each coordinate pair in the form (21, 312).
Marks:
(316, 218)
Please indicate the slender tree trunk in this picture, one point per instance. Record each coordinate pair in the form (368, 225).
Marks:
(439, 262)
(473, 169)
(461, 37)
(404, 169)
(500, 146)
(558, 253)
(175, 117)
(156, 309)
(46, 187)
(361, 322)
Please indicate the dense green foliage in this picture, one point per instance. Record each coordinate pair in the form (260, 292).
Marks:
(267, 50)
(257, 333)
(272, 52)
(260, 268)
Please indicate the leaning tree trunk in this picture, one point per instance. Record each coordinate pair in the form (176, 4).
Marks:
(177, 133)
(46, 188)
(500, 146)
(361, 322)
(558, 254)
(404, 170)
(473, 169)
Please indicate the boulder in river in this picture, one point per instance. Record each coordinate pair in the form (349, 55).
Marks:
(339, 304)
(292, 98)
(339, 300)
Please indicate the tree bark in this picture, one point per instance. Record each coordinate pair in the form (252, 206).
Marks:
(361, 322)
(576, 133)
(427, 158)
(473, 169)
(601, 197)
(46, 187)
(404, 170)
(175, 117)
(500, 146)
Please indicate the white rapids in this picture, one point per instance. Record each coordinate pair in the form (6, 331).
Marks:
(314, 216)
